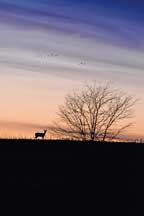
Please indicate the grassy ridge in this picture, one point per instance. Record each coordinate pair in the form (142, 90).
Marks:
(105, 169)
(21, 149)
(71, 160)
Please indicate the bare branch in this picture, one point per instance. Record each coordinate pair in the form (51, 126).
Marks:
(95, 113)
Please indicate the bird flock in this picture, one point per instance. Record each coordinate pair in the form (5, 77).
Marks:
(80, 63)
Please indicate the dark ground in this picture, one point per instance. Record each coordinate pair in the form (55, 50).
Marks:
(109, 172)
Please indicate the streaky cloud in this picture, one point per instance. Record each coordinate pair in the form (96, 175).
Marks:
(89, 23)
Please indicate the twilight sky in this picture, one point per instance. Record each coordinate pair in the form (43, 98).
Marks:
(43, 42)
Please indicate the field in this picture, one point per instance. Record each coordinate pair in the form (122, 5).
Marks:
(106, 169)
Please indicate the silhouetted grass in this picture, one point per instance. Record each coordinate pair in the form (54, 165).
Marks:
(106, 169)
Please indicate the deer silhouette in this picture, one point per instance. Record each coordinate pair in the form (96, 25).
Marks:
(42, 135)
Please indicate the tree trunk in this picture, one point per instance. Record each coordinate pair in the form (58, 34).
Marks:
(92, 136)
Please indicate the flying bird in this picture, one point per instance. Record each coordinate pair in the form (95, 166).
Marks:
(54, 54)
(82, 63)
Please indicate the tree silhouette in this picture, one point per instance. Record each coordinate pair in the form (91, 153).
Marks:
(95, 113)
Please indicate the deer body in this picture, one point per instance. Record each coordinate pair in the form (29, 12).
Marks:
(42, 135)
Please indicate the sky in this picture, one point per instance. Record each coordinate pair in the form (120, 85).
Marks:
(42, 45)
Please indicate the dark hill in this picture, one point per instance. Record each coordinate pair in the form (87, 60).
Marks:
(108, 170)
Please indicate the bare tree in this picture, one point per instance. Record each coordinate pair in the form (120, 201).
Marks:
(95, 113)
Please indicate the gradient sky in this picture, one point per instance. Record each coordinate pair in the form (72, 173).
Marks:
(42, 43)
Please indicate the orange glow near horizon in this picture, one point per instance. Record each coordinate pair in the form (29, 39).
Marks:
(39, 67)
(31, 104)
(46, 51)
